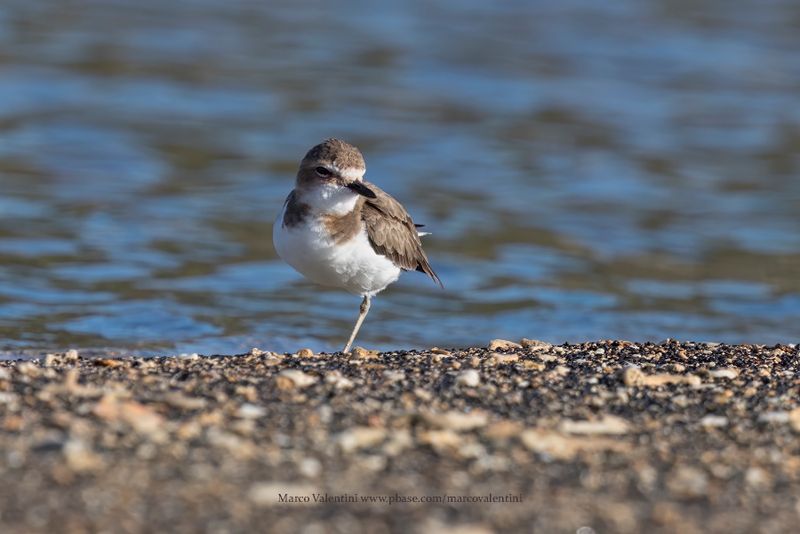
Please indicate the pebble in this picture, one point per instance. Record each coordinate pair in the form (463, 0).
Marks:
(608, 424)
(365, 354)
(393, 376)
(533, 366)
(441, 441)
(774, 417)
(185, 402)
(503, 359)
(361, 437)
(293, 378)
(107, 362)
(80, 457)
(138, 416)
(633, 376)
(469, 378)
(338, 381)
(724, 373)
(714, 421)
(457, 421)
(250, 411)
(535, 345)
(503, 344)
(563, 447)
(794, 419)
(305, 353)
(310, 467)
(688, 482)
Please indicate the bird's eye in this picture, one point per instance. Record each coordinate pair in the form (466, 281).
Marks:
(322, 171)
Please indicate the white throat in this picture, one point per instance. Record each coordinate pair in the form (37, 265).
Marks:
(329, 199)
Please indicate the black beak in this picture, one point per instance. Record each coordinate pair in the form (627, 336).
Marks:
(361, 189)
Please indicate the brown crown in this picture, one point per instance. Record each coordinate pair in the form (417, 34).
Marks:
(335, 151)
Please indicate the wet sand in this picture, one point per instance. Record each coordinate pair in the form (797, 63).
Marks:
(613, 436)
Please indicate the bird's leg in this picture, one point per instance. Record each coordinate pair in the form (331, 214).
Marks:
(363, 310)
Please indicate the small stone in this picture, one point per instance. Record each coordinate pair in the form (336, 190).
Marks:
(393, 376)
(474, 362)
(777, 417)
(794, 419)
(305, 353)
(80, 457)
(338, 381)
(469, 378)
(8, 398)
(250, 411)
(714, 421)
(366, 354)
(533, 366)
(688, 482)
(455, 420)
(256, 352)
(107, 362)
(179, 400)
(504, 359)
(632, 376)
(423, 394)
(310, 467)
(138, 416)
(724, 373)
(502, 430)
(757, 478)
(535, 345)
(443, 352)
(360, 437)
(28, 369)
(293, 378)
(71, 356)
(239, 448)
(399, 441)
(608, 424)
(723, 396)
(563, 447)
(503, 344)
(440, 440)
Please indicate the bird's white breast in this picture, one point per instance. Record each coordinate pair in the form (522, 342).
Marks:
(352, 265)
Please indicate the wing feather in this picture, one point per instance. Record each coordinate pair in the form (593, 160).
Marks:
(393, 234)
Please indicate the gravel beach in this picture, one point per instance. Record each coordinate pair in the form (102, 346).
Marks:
(611, 436)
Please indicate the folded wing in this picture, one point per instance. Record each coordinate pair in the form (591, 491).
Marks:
(393, 234)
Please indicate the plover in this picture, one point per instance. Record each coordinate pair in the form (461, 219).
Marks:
(339, 230)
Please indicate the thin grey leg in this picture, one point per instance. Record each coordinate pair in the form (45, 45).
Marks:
(363, 310)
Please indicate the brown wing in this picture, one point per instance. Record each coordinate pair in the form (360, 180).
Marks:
(392, 233)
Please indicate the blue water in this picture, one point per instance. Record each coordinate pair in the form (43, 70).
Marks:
(588, 170)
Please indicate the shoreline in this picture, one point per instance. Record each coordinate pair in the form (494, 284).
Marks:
(613, 435)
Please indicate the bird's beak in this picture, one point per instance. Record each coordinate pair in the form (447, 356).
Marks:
(361, 189)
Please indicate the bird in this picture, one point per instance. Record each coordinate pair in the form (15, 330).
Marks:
(337, 229)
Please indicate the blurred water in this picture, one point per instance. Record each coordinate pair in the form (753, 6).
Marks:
(588, 170)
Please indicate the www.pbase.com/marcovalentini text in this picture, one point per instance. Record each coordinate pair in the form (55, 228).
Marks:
(396, 498)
